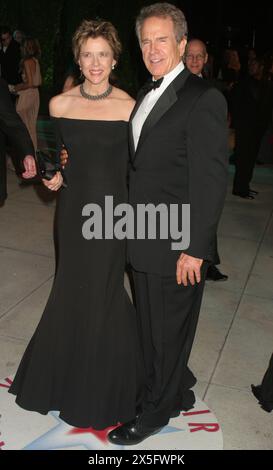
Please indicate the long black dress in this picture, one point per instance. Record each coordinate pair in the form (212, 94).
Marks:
(83, 357)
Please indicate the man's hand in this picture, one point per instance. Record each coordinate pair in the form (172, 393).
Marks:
(64, 157)
(188, 268)
(55, 183)
(30, 167)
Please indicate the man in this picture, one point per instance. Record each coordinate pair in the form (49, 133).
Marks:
(196, 56)
(10, 57)
(195, 59)
(19, 36)
(12, 127)
(179, 155)
(178, 139)
(251, 103)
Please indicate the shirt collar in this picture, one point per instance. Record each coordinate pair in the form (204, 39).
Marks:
(169, 77)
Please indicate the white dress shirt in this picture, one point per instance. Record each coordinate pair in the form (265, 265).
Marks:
(150, 100)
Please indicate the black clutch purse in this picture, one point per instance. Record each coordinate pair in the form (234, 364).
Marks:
(47, 167)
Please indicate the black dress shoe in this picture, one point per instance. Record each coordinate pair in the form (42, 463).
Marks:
(252, 192)
(131, 433)
(257, 392)
(213, 274)
(243, 195)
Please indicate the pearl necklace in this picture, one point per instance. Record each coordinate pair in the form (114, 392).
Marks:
(95, 97)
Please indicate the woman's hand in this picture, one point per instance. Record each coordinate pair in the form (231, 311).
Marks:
(55, 183)
(63, 157)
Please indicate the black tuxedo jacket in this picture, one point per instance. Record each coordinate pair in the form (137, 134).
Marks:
(12, 127)
(251, 103)
(10, 61)
(181, 158)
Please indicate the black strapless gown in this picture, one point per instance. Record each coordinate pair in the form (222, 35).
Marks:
(83, 359)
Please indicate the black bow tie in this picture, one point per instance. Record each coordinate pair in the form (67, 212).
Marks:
(152, 85)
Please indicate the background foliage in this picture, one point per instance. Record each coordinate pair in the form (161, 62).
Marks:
(54, 21)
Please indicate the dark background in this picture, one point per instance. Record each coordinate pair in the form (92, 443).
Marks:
(219, 23)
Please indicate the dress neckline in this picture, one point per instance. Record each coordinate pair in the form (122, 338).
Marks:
(90, 120)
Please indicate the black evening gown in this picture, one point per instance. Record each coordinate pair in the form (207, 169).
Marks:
(83, 359)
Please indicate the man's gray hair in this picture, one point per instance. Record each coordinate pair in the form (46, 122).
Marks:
(164, 10)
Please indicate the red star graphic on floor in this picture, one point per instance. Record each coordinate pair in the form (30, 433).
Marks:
(7, 383)
(101, 435)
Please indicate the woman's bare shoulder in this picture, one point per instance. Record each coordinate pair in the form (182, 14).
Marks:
(125, 100)
(29, 62)
(121, 94)
(59, 104)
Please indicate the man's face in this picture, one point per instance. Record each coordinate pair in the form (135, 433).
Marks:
(255, 69)
(196, 57)
(160, 51)
(5, 39)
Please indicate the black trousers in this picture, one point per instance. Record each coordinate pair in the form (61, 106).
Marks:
(167, 319)
(3, 174)
(247, 147)
(216, 253)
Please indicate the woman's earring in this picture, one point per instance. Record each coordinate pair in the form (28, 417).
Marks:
(113, 66)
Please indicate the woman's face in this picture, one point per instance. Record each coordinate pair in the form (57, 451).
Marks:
(96, 60)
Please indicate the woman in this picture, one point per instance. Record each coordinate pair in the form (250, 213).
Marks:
(83, 357)
(28, 102)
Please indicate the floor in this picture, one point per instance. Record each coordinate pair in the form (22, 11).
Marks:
(232, 348)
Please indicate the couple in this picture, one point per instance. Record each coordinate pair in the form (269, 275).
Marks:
(84, 358)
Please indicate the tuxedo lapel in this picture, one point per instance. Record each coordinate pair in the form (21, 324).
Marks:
(164, 103)
(166, 100)
(131, 141)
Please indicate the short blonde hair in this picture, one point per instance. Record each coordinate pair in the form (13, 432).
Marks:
(95, 29)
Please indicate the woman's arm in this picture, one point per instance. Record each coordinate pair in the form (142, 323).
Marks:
(29, 70)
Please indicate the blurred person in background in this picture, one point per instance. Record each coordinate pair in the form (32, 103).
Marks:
(9, 57)
(251, 102)
(19, 36)
(28, 90)
(13, 130)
